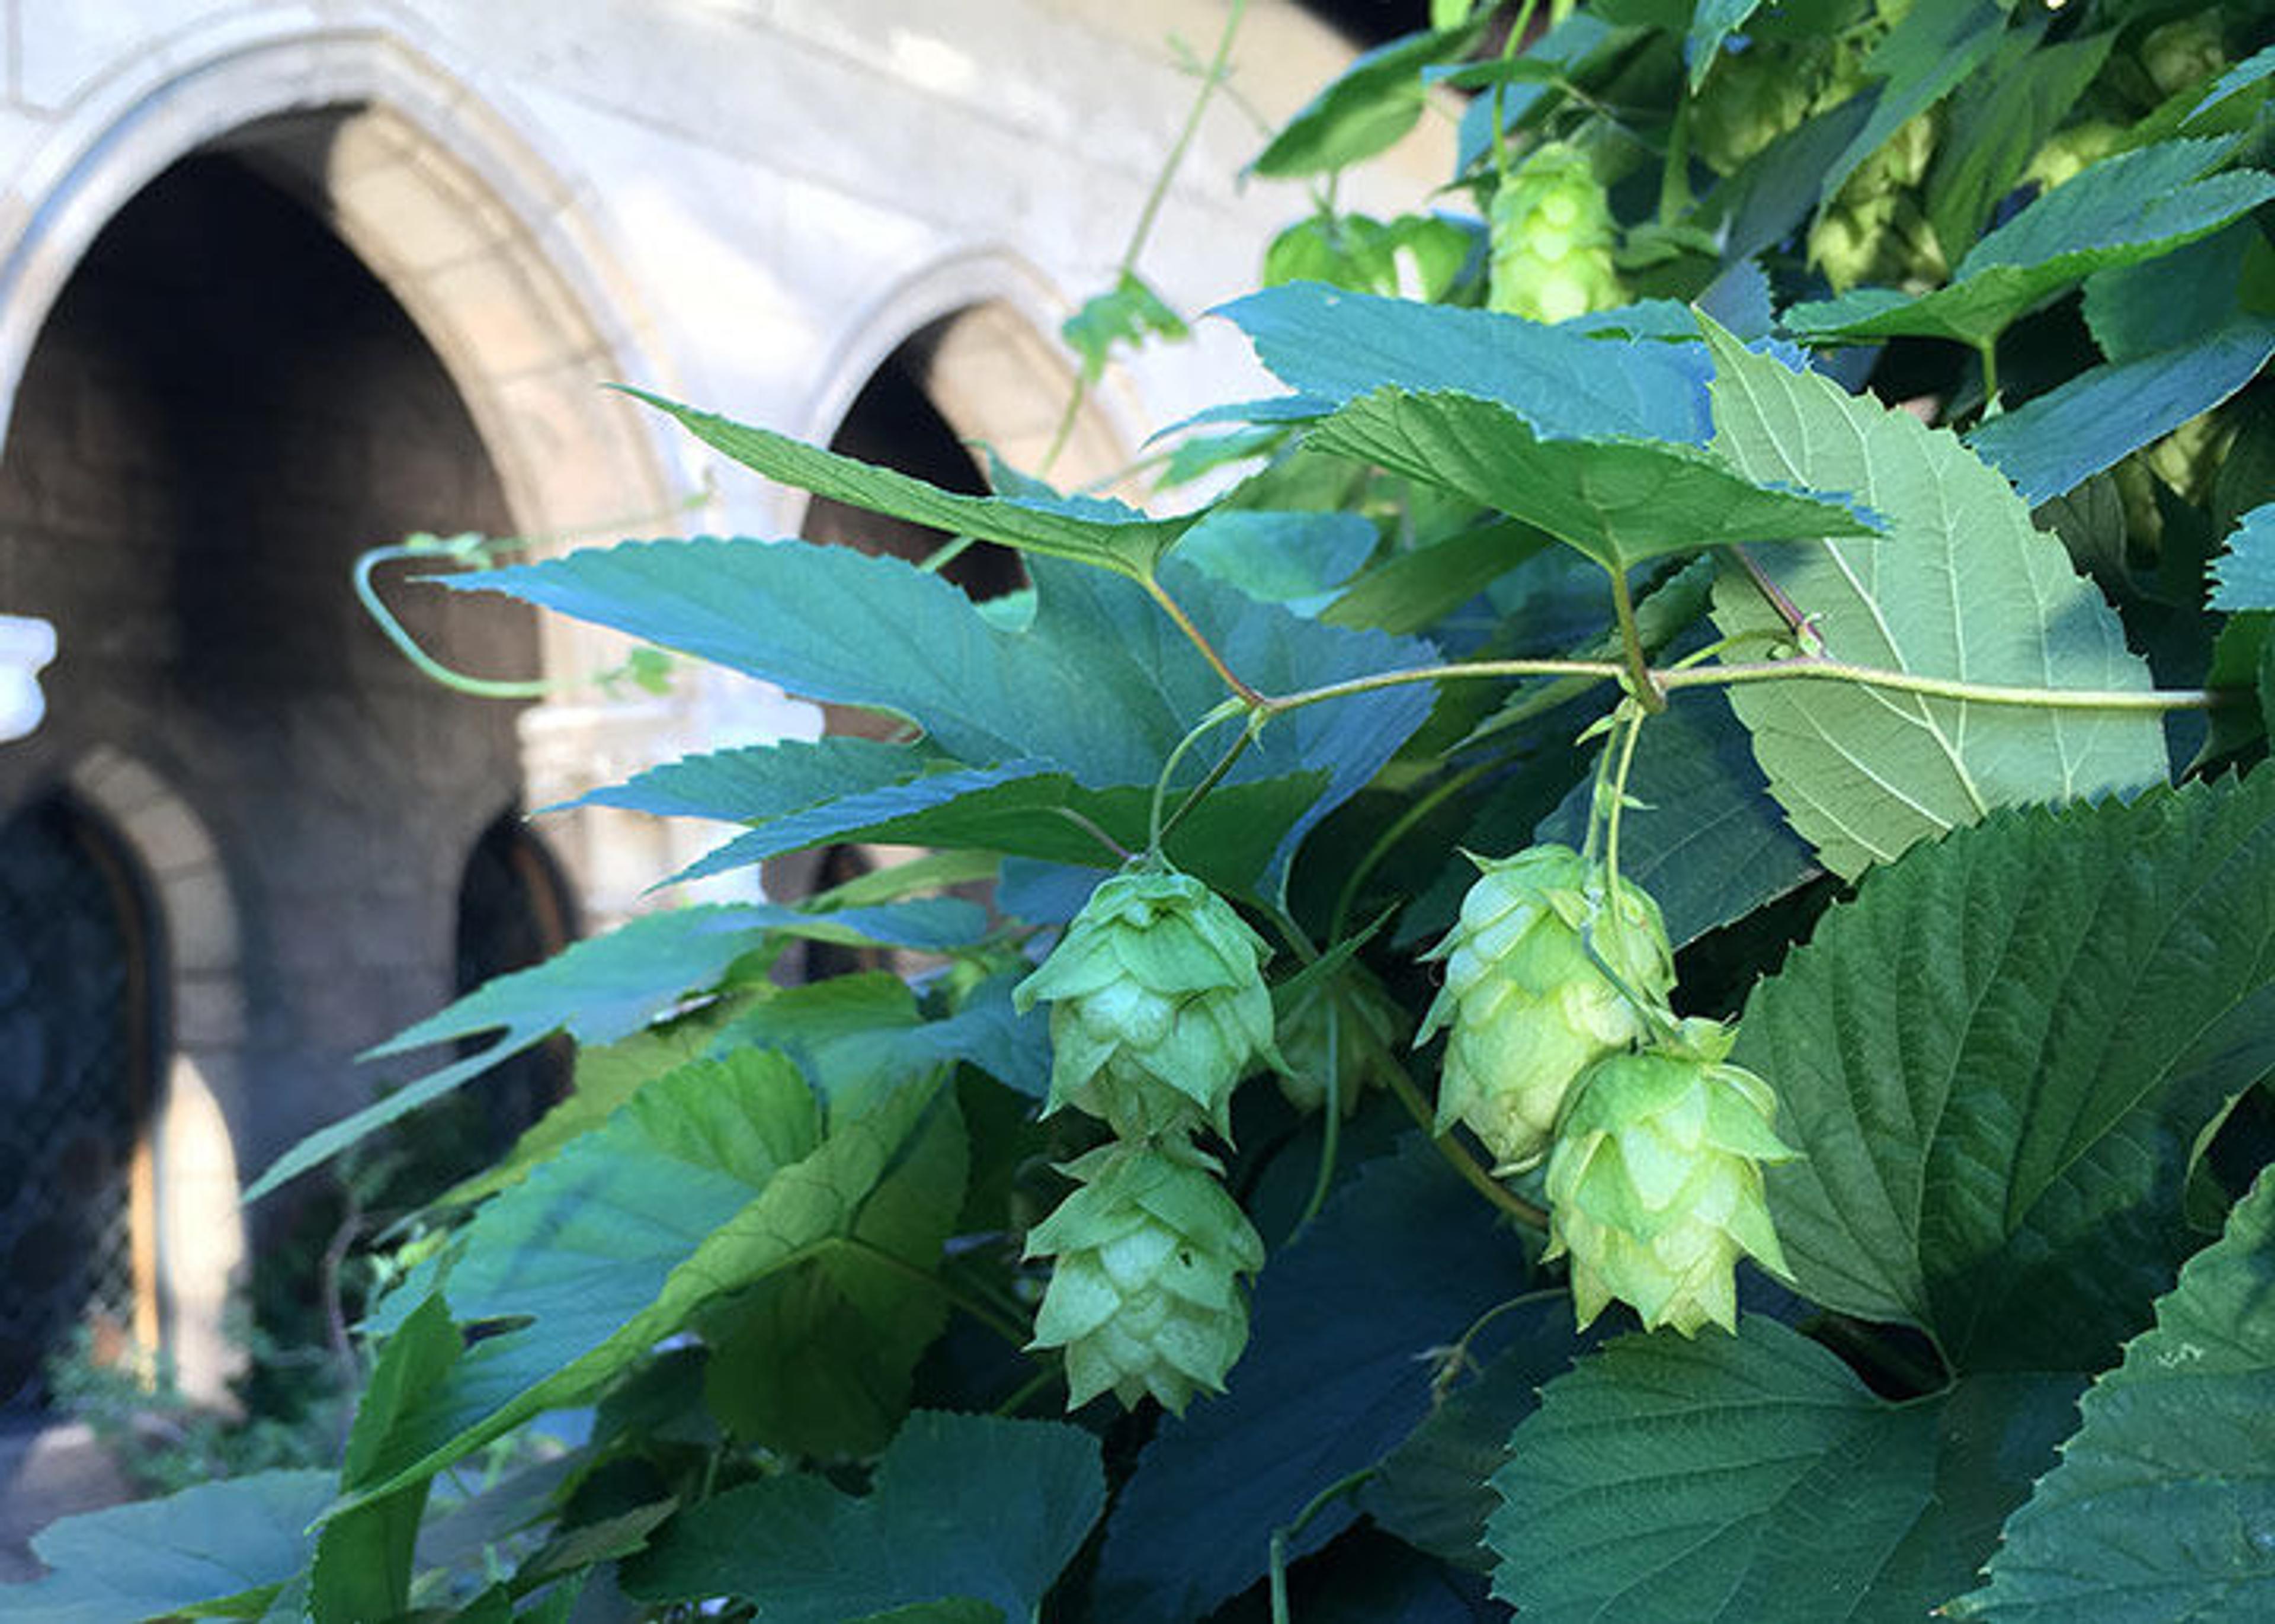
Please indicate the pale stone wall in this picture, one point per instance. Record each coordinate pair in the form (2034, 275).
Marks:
(748, 204)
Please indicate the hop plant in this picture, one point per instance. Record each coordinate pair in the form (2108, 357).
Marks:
(1369, 1022)
(1655, 1184)
(1528, 1005)
(1551, 235)
(1145, 1295)
(1157, 1005)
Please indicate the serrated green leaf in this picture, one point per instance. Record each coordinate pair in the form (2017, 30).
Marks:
(754, 784)
(1935, 45)
(1415, 256)
(1620, 502)
(1129, 313)
(1366, 110)
(708, 1181)
(597, 989)
(2055, 442)
(2244, 575)
(2126, 209)
(1109, 535)
(1999, 117)
(1754, 1480)
(1227, 841)
(1704, 837)
(1332, 347)
(2251, 71)
(1996, 1062)
(1961, 586)
(220, 1550)
(962, 1506)
(2164, 1504)
(1099, 685)
(1336, 1373)
(1712, 22)
(818, 1359)
(362, 1567)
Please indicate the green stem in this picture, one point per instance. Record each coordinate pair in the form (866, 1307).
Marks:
(1281, 1536)
(1468, 1166)
(1619, 799)
(480, 687)
(1640, 677)
(1155, 825)
(946, 553)
(1989, 350)
(1183, 622)
(1810, 667)
(1151, 211)
(1213, 777)
(1511, 49)
(1121, 853)
(1601, 670)
(1027, 1389)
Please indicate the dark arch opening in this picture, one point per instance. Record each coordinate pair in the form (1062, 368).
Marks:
(80, 1037)
(515, 910)
(893, 422)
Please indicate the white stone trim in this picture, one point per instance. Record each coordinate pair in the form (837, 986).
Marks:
(199, 1220)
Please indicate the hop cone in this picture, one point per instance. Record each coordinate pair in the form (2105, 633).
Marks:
(1143, 1296)
(1655, 1184)
(1366, 1022)
(1157, 1005)
(1552, 239)
(1528, 1007)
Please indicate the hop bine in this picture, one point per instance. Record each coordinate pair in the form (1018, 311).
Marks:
(1527, 998)
(1655, 1184)
(1145, 1294)
(1158, 1006)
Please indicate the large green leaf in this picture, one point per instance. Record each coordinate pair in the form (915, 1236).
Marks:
(1338, 1371)
(2164, 1502)
(2055, 442)
(1961, 587)
(1107, 535)
(1712, 22)
(708, 1182)
(1099, 685)
(2126, 209)
(1620, 502)
(1230, 839)
(1703, 837)
(1998, 118)
(1754, 1480)
(1366, 108)
(1935, 45)
(363, 1562)
(1332, 347)
(220, 1550)
(962, 1506)
(1997, 1060)
(598, 990)
(817, 1360)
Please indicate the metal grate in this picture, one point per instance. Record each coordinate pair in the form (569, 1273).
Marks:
(74, 1032)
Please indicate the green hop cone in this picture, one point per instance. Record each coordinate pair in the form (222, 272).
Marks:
(1366, 1023)
(1551, 237)
(1157, 1005)
(1655, 1184)
(1144, 1295)
(1528, 1006)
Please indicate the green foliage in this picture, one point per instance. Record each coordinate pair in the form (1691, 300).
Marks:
(1867, 670)
(2160, 1500)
